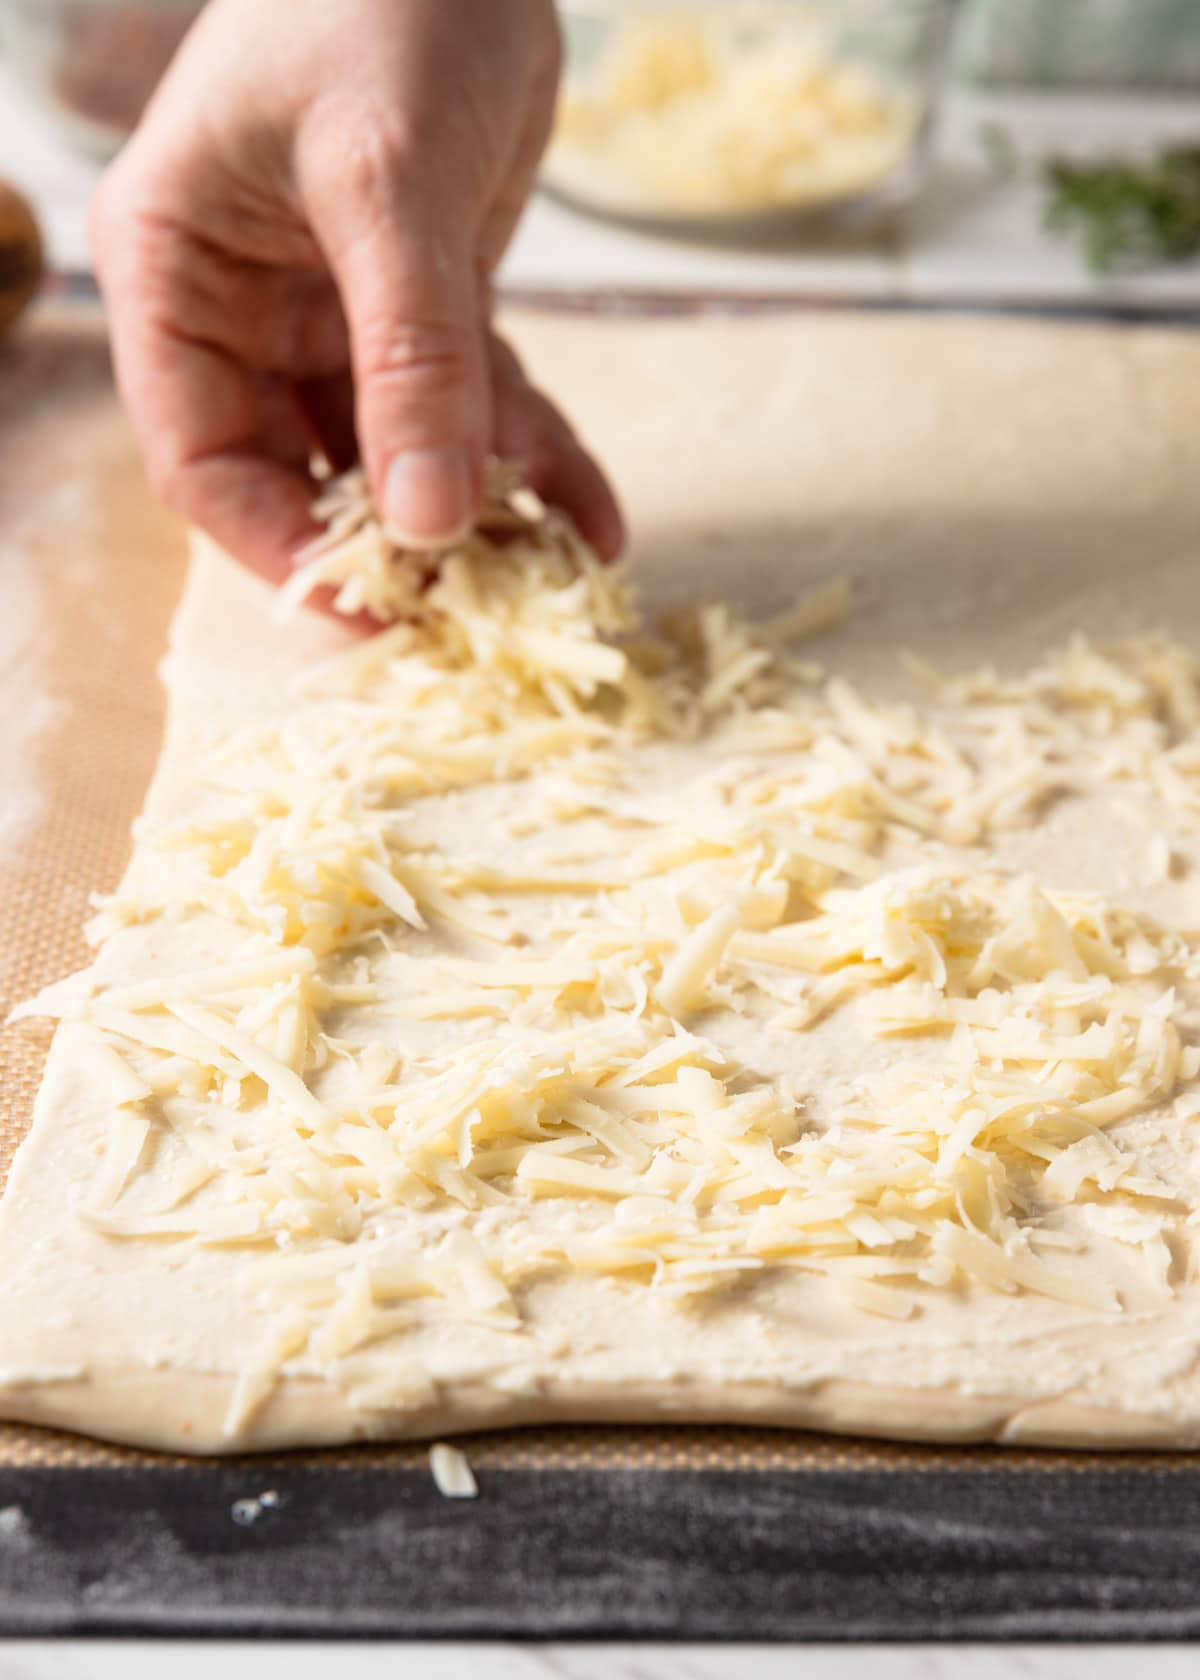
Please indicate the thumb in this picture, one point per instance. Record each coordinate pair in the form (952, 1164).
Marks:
(410, 293)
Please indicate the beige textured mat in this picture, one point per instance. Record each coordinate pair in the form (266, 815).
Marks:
(91, 571)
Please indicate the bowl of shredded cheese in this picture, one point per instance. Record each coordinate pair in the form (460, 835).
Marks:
(746, 112)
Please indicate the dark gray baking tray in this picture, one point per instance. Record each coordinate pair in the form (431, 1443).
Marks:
(714, 1554)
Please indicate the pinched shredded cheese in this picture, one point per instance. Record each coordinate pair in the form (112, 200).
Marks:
(385, 1029)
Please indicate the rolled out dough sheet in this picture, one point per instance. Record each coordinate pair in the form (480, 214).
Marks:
(988, 489)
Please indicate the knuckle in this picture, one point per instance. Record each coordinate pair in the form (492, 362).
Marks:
(366, 170)
(364, 160)
(427, 354)
(133, 251)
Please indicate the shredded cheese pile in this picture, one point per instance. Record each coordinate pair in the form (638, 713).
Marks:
(468, 919)
(688, 115)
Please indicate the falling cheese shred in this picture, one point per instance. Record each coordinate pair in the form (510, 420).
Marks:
(514, 1025)
(452, 1473)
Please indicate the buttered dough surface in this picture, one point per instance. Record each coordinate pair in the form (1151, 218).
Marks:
(784, 1015)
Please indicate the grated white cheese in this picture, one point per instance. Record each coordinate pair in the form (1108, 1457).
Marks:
(452, 1472)
(686, 975)
(553, 1111)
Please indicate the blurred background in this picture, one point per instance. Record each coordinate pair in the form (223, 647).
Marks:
(1020, 153)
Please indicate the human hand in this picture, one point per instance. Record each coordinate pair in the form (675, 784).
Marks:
(296, 248)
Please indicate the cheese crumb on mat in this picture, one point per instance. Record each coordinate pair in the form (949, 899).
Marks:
(452, 1472)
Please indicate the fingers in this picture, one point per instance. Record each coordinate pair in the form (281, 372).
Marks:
(224, 442)
(334, 245)
(402, 249)
(257, 510)
(225, 447)
(528, 428)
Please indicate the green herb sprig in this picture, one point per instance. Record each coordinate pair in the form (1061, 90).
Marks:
(1130, 214)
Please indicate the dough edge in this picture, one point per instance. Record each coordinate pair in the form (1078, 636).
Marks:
(181, 1411)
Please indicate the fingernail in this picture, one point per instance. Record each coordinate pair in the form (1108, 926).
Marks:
(428, 497)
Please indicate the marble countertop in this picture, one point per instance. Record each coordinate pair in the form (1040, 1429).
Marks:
(151, 1659)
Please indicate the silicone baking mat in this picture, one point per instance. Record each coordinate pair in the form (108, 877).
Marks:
(730, 1532)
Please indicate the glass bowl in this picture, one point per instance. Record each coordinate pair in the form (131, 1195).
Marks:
(732, 114)
(93, 64)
